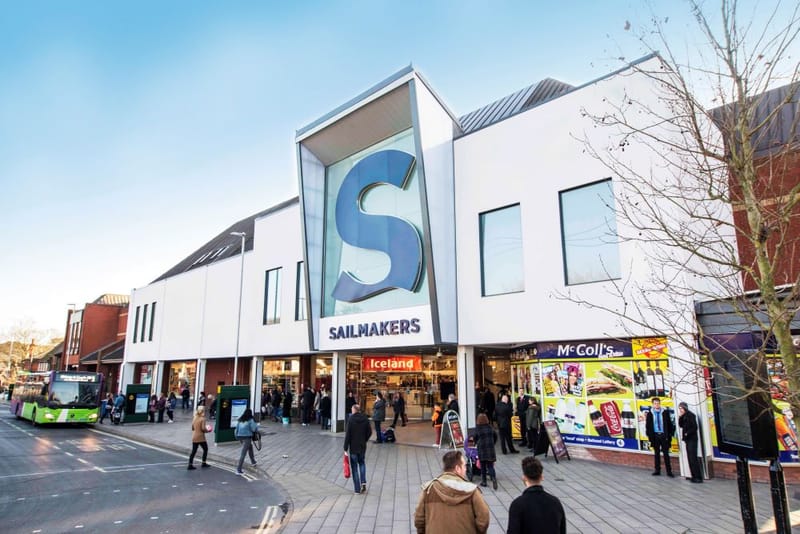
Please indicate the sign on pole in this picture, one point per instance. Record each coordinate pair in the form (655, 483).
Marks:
(452, 435)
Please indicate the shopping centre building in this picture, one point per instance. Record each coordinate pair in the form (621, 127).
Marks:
(429, 254)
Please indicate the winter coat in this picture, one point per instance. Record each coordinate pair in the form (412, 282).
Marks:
(503, 412)
(688, 424)
(307, 399)
(357, 434)
(379, 410)
(199, 429)
(448, 503)
(485, 437)
(287, 404)
(325, 407)
(533, 417)
(453, 405)
(667, 426)
(536, 511)
(245, 429)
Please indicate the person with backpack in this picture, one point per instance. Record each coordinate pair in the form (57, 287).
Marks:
(245, 428)
(378, 415)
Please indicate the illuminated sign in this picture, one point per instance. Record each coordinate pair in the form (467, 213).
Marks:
(395, 237)
(70, 377)
(391, 363)
(381, 328)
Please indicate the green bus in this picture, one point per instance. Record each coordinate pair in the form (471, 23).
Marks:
(58, 397)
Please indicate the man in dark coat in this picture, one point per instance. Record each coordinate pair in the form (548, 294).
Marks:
(503, 412)
(535, 510)
(488, 403)
(348, 406)
(522, 408)
(659, 429)
(452, 403)
(688, 423)
(306, 405)
(356, 437)
(287, 405)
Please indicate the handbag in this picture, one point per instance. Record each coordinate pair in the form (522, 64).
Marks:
(346, 466)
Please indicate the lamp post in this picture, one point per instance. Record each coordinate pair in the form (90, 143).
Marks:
(239, 315)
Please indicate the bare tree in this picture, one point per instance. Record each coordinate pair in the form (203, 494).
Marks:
(718, 201)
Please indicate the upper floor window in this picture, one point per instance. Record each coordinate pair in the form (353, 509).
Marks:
(300, 301)
(589, 233)
(272, 297)
(501, 251)
(136, 323)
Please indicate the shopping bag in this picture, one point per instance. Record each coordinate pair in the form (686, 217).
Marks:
(346, 466)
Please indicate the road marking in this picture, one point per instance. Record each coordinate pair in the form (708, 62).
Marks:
(153, 517)
(81, 460)
(269, 520)
(69, 454)
(78, 526)
(189, 513)
(223, 510)
(40, 473)
(117, 522)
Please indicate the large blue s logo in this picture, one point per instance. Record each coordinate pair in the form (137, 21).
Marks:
(396, 237)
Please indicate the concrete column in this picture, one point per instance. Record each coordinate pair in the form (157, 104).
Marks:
(256, 372)
(126, 375)
(687, 385)
(199, 379)
(338, 391)
(158, 378)
(465, 366)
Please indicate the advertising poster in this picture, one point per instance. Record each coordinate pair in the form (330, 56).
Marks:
(238, 406)
(784, 417)
(599, 392)
(142, 402)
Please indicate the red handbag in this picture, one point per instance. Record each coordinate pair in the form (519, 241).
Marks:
(346, 466)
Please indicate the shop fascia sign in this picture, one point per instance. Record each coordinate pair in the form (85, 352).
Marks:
(391, 363)
(604, 348)
(394, 327)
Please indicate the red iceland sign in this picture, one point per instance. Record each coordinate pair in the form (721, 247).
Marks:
(397, 364)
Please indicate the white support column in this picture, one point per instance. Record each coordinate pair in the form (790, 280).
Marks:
(688, 385)
(465, 366)
(256, 372)
(158, 378)
(126, 376)
(199, 379)
(338, 391)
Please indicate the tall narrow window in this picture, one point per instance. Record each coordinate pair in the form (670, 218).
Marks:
(501, 251)
(589, 234)
(152, 321)
(144, 322)
(136, 323)
(272, 297)
(300, 301)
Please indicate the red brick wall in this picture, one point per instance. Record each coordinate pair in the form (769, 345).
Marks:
(100, 327)
(222, 371)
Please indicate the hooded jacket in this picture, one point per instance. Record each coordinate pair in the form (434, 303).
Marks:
(357, 433)
(448, 503)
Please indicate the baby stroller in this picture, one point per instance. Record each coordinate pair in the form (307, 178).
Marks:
(116, 415)
(388, 435)
(471, 454)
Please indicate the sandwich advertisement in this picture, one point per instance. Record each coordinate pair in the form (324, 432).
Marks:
(601, 398)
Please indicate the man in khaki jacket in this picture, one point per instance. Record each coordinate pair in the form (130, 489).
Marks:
(449, 503)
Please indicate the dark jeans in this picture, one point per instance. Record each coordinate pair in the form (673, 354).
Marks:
(247, 448)
(151, 417)
(505, 439)
(358, 468)
(161, 415)
(533, 434)
(661, 443)
(202, 444)
(694, 461)
(487, 468)
(185, 404)
(402, 417)
(378, 435)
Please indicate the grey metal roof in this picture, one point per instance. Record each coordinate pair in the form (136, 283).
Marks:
(522, 100)
(224, 245)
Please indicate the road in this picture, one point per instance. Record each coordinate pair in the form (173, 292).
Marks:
(65, 478)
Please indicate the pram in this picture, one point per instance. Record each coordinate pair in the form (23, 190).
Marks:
(388, 435)
(116, 415)
(471, 454)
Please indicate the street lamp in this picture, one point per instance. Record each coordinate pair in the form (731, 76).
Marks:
(239, 316)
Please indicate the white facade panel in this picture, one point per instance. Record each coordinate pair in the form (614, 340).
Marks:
(184, 296)
(149, 350)
(528, 159)
(278, 243)
(220, 307)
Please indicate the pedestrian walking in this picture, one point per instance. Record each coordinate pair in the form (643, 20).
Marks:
(437, 420)
(119, 407)
(185, 397)
(485, 437)
(199, 429)
(107, 406)
(687, 421)
(306, 406)
(172, 403)
(287, 405)
(535, 510)
(659, 430)
(325, 411)
(449, 503)
(348, 406)
(161, 406)
(378, 415)
(533, 420)
(245, 427)
(356, 436)
(151, 409)
(503, 412)
(399, 408)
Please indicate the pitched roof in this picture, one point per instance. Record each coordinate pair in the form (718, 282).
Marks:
(112, 299)
(224, 245)
(522, 100)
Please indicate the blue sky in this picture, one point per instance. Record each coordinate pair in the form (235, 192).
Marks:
(131, 133)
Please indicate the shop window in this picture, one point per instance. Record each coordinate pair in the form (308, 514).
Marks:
(589, 234)
(152, 321)
(300, 300)
(136, 323)
(501, 251)
(272, 297)
(144, 322)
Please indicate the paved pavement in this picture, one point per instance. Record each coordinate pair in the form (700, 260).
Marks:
(305, 463)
